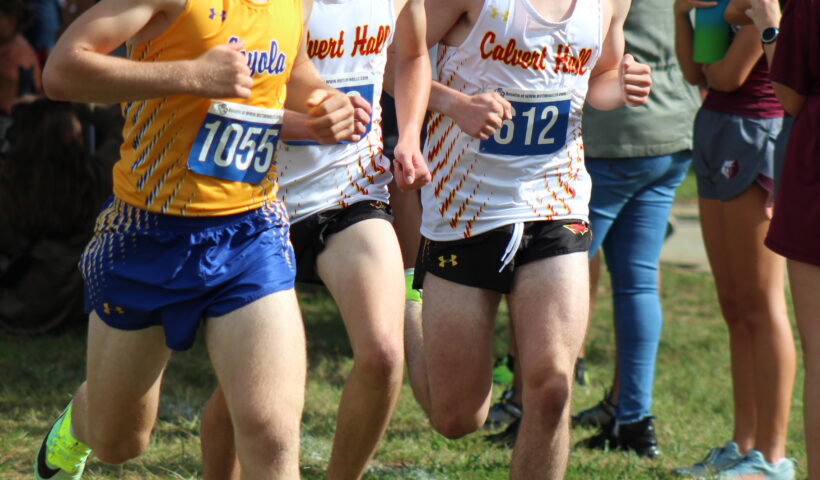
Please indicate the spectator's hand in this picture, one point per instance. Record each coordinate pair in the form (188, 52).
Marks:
(333, 116)
(409, 168)
(735, 12)
(635, 80)
(481, 115)
(683, 7)
(222, 72)
(764, 13)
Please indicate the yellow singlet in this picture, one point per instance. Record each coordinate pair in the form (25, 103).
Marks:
(192, 156)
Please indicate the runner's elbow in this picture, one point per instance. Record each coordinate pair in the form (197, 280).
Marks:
(55, 85)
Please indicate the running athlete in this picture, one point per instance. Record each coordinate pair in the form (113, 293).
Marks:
(336, 197)
(194, 230)
(506, 213)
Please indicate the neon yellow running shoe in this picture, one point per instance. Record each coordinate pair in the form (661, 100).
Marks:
(61, 456)
(411, 293)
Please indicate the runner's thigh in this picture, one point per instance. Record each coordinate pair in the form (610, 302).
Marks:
(458, 325)
(258, 353)
(549, 305)
(124, 373)
(362, 268)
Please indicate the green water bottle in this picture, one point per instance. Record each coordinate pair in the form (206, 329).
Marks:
(712, 33)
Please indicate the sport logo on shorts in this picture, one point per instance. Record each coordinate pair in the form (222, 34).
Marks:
(442, 262)
(577, 228)
(729, 169)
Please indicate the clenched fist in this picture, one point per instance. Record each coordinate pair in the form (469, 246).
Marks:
(334, 116)
(222, 72)
(481, 115)
(635, 81)
(409, 168)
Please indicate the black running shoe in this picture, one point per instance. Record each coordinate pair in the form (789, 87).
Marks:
(506, 437)
(504, 412)
(638, 437)
(599, 415)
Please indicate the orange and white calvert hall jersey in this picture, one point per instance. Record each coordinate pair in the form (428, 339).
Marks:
(347, 42)
(193, 156)
(533, 167)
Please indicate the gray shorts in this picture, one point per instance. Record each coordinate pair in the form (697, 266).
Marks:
(731, 152)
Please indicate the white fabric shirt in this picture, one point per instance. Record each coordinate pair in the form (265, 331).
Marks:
(533, 167)
(347, 42)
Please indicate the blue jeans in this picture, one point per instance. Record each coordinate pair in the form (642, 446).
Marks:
(629, 210)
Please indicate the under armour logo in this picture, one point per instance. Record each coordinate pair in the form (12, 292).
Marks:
(214, 15)
(107, 309)
(444, 261)
(495, 13)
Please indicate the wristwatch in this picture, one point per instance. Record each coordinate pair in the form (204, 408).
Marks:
(769, 35)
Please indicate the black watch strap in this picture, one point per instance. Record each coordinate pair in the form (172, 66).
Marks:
(769, 35)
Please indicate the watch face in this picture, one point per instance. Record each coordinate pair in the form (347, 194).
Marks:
(769, 35)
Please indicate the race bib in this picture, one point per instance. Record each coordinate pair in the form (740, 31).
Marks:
(236, 142)
(352, 84)
(538, 126)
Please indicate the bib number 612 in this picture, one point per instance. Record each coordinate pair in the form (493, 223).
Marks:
(538, 126)
(236, 143)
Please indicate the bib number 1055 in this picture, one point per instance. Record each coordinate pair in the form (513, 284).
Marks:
(236, 142)
(538, 126)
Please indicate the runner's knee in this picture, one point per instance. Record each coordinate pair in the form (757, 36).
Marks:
(382, 363)
(547, 395)
(454, 424)
(118, 447)
(267, 438)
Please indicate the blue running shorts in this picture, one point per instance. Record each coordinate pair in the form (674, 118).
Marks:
(143, 269)
(731, 152)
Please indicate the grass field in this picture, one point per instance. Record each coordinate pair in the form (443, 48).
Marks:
(687, 191)
(692, 400)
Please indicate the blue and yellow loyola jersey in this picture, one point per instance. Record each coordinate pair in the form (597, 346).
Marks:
(193, 156)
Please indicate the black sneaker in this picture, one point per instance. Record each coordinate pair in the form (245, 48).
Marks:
(638, 437)
(506, 437)
(603, 440)
(600, 415)
(504, 412)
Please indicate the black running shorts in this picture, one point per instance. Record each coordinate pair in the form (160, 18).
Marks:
(476, 261)
(309, 236)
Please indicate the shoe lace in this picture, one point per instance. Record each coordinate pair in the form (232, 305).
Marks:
(713, 455)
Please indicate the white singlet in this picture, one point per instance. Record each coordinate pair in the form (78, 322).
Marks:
(347, 42)
(533, 167)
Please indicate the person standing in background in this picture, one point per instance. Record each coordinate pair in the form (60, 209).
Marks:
(734, 142)
(20, 72)
(792, 45)
(637, 157)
